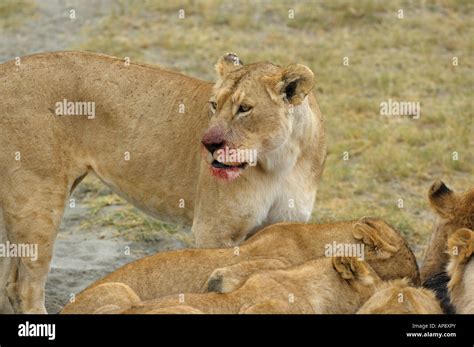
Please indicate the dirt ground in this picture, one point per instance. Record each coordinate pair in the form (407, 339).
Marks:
(82, 256)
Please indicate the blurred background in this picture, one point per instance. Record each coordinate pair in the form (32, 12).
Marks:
(362, 53)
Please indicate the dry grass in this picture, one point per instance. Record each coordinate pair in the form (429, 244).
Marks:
(14, 13)
(407, 59)
(107, 209)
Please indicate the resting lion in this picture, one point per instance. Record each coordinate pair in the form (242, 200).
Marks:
(277, 246)
(324, 285)
(455, 211)
(461, 270)
(399, 297)
(228, 157)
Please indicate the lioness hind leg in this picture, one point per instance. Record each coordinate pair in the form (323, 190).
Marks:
(32, 225)
(230, 278)
(5, 267)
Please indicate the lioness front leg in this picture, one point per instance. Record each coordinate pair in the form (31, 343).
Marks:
(32, 225)
(6, 264)
(230, 278)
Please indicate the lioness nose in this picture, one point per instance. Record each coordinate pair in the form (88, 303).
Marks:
(213, 146)
(213, 139)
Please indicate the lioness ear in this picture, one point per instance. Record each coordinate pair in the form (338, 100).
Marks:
(442, 199)
(297, 81)
(227, 63)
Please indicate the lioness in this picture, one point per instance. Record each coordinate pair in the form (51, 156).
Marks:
(143, 130)
(325, 285)
(277, 246)
(461, 270)
(455, 211)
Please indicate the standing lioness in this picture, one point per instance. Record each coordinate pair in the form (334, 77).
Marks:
(139, 128)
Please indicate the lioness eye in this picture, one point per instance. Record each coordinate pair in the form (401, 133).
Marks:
(244, 108)
(213, 105)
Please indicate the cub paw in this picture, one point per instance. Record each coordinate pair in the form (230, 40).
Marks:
(223, 281)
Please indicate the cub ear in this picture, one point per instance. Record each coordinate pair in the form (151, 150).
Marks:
(346, 267)
(442, 199)
(297, 82)
(371, 233)
(227, 63)
(461, 244)
(350, 268)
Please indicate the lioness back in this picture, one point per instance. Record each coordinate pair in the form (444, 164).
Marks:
(129, 100)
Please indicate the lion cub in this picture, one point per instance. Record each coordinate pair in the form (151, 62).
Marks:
(275, 247)
(399, 297)
(325, 285)
(461, 270)
(455, 211)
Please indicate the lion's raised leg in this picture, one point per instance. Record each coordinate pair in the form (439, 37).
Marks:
(230, 278)
(32, 225)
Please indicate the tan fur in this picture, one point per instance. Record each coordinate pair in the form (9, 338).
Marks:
(137, 111)
(178, 309)
(113, 294)
(398, 297)
(454, 210)
(284, 244)
(326, 285)
(461, 270)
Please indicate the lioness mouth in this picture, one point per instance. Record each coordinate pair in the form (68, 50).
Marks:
(219, 165)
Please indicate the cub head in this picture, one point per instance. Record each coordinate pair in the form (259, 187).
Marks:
(255, 109)
(455, 210)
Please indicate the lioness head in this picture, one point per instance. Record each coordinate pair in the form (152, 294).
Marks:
(253, 111)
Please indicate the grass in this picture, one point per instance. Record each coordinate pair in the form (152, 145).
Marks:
(409, 59)
(107, 209)
(14, 12)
